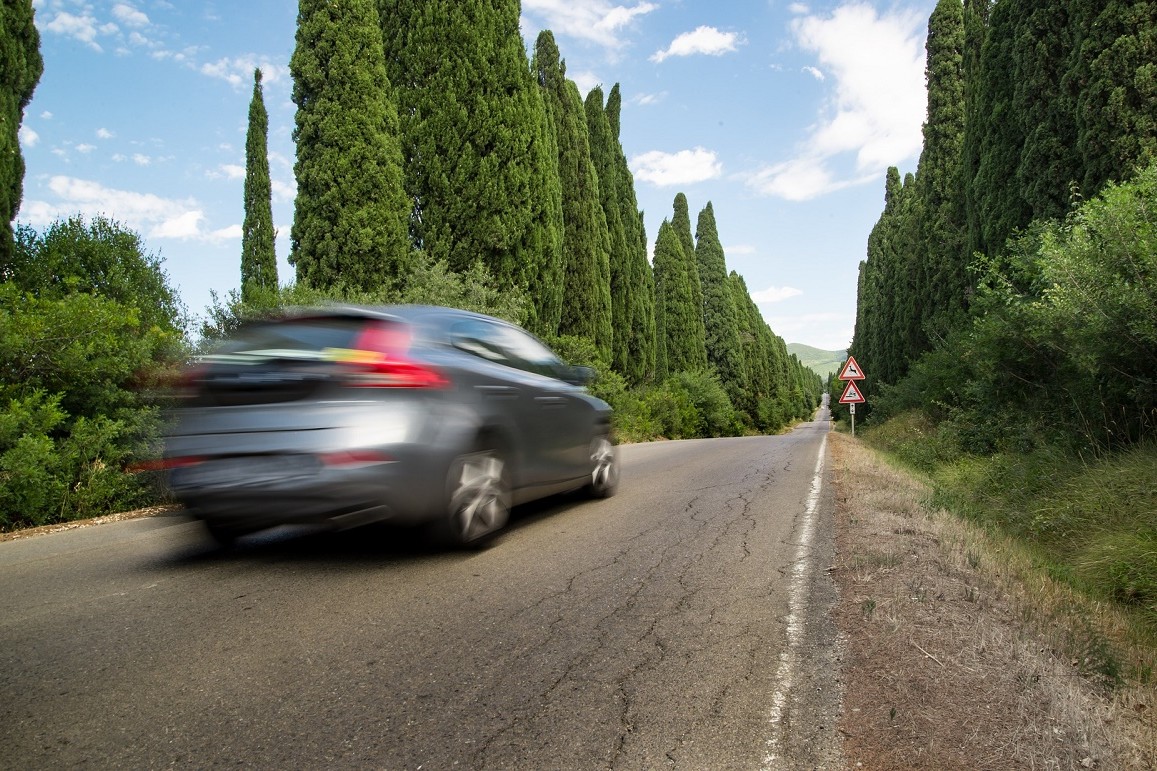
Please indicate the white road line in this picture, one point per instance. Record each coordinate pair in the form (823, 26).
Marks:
(796, 617)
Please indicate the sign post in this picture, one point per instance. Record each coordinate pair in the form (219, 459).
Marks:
(852, 394)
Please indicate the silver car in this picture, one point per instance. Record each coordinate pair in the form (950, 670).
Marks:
(411, 414)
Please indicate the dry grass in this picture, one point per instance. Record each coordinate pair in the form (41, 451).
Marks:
(960, 655)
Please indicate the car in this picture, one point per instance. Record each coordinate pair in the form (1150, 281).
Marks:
(415, 415)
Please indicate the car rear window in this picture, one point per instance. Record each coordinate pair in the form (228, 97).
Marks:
(298, 336)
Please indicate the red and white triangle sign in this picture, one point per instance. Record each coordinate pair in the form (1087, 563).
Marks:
(851, 370)
(852, 395)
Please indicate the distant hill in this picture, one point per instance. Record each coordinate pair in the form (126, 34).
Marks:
(822, 362)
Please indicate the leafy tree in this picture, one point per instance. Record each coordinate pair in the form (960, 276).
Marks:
(603, 155)
(351, 217)
(258, 257)
(20, 69)
(586, 310)
(480, 170)
(690, 316)
(640, 282)
(720, 318)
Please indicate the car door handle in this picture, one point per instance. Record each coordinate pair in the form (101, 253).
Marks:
(550, 402)
(498, 392)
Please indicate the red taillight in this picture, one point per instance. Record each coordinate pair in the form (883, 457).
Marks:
(163, 464)
(379, 360)
(354, 458)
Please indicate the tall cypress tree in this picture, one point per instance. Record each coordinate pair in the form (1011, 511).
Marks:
(258, 257)
(20, 70)
(720, 318)
(756, 354)
(641, 296)
(680, 315)
(1113, 61)
(479, 169)
(350, 219)
(619, 268)
(941, 259)
(586, 307)
(975, 30)
(691, 327)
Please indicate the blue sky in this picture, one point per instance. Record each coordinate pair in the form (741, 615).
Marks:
(785, 116)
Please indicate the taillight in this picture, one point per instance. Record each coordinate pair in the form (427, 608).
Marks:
(378, 360)
(163, 464)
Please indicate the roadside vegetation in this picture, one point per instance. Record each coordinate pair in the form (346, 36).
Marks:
(1007, 306)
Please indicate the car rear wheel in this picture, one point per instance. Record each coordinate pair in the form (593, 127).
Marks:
(479, 498)
(604, 477)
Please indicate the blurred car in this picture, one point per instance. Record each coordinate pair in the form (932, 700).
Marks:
(412, 414)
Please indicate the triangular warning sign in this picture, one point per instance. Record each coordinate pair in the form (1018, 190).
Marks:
(851, 370)
(852, 395)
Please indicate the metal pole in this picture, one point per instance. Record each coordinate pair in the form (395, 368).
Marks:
(852, 409)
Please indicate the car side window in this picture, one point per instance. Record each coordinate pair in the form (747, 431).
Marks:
(480, 338)
(527, 353)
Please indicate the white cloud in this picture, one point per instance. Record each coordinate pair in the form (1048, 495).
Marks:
(46, 115)
(103, 133)
(28, 137)
(681, 168)
(141, 159)
(647, 99)
(283, 191)
(227, 171)
(774, 294)
(815, 72)
(704, 40)
(85, 148)
(798, 8)
(83, 28)
(238, 71)
(144, 212)
(231, 233)
(740, 249)
(585, 81)
(130, 16)
(877, 106)
(596, 21)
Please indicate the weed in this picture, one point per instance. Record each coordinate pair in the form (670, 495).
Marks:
(868, 607)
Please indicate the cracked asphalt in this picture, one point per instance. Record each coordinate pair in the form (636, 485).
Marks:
(645, 631)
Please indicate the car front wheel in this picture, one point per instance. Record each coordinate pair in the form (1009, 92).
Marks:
(604, 475)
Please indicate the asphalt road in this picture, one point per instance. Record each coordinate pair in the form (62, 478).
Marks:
(676, 625)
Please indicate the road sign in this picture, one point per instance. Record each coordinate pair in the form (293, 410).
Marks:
(851, 370)
(852, 395)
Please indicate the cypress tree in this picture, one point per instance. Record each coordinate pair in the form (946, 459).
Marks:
(692, 328)
(680, 316)
(350, 218)
(756, 354)
(941, 259)
(975, 30)
(641, 345)
(258, 257)
(618, 278)
(479, 168)
(720, 318)
(20, 70)
(1113, 61)
(586, 307)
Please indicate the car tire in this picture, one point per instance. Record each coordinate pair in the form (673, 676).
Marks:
(604, 474)
(478, 498)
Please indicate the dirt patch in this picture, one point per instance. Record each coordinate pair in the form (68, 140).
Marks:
(950, 662)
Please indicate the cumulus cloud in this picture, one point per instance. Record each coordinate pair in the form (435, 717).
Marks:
(815, 72)
(703, 40)
(596, 21)
(141, 159)
(28, 137)
(103, 133)
(85, 148)
(283, 191)
(238, 71)
(774, 294)
(681, 168)
(153, 215)
(130, 16)
(876, 108)
(227, 171)
(84, 28)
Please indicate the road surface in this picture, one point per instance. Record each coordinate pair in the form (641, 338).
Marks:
(679, 624)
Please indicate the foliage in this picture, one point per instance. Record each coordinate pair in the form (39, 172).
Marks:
(258, 257)
(87, 323)
(351, 217)
(586, 283)
(20, 68)
(720, 317)
(679, 317)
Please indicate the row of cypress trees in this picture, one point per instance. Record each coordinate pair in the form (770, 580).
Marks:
(1032, 107)
(422, 126)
